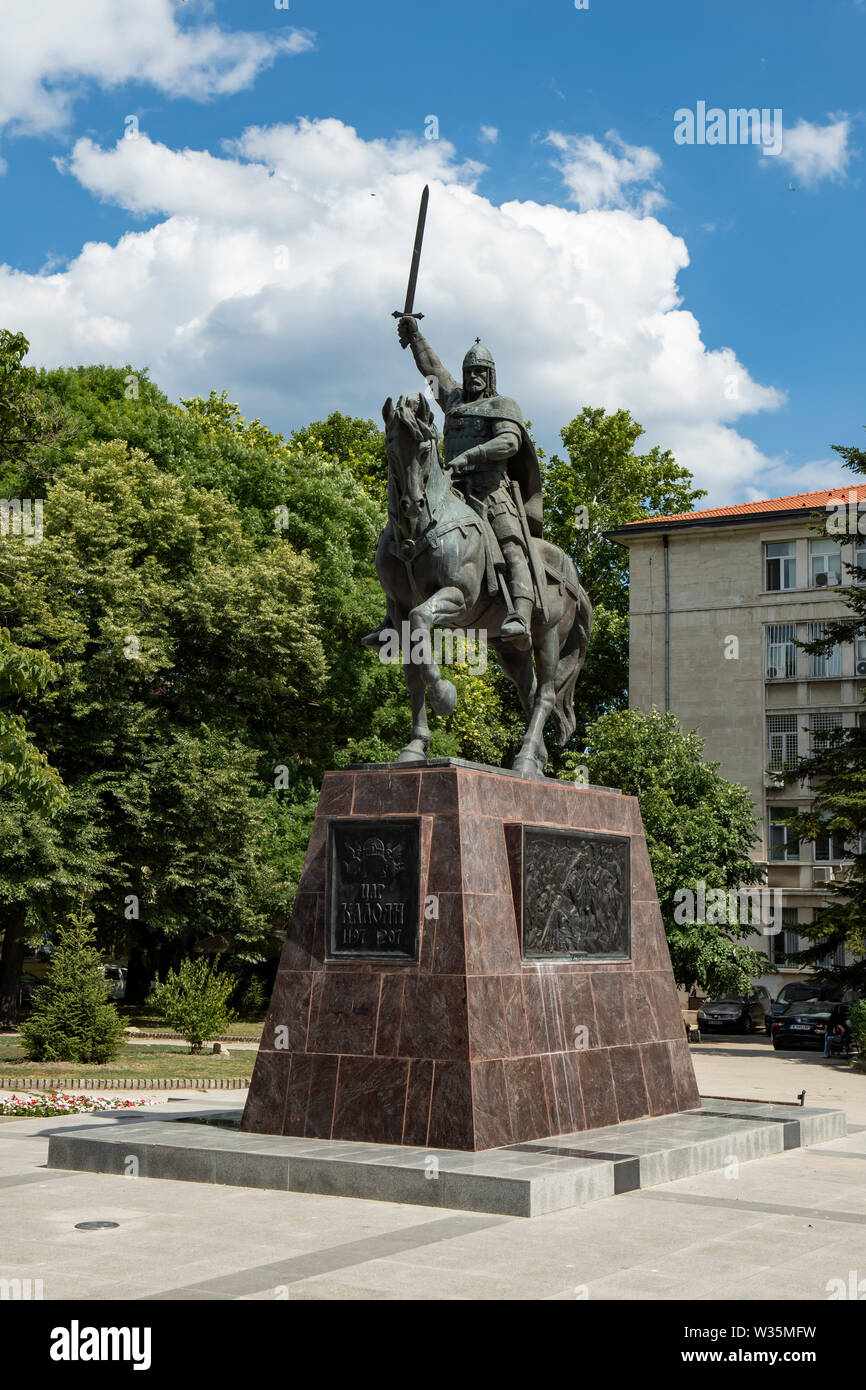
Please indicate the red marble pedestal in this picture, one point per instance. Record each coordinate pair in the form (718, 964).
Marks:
(471, 1046)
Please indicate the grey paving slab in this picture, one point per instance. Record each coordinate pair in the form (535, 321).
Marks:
(526, 1180)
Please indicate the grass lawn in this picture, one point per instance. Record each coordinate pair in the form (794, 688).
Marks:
(140, 1016)
(158, 1061)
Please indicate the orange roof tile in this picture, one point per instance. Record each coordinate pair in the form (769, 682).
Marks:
(805, 501)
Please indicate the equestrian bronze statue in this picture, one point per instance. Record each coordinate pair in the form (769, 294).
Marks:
(463, 548)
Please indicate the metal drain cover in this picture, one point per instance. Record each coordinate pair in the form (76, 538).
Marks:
(96, 1225)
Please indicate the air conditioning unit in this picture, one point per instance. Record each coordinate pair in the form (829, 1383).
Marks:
(826, 577)
(822, 873)
(773, 672)
(861, 668)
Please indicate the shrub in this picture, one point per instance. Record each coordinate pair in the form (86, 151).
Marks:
(71, 1019)
(857, 1020)
(252, 999)
(194, 1001)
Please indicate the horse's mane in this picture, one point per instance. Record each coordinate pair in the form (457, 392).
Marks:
(422, 426)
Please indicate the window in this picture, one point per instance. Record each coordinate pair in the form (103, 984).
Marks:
(830, 848)
(781, 565)
(787, 939)
(833, 960)
(781, 651)
(782, 845)
(860, 656)
(859, 557)
(821, 727)
(782, 744)
(825, 561)
(830, 664)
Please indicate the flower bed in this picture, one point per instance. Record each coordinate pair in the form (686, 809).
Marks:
(62, 1103)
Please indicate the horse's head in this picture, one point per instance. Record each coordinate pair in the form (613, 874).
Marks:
(413, 459)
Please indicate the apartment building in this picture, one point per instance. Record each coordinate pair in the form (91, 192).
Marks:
(718, 600)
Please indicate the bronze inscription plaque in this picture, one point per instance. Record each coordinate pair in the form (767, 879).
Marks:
(576, 895)
(374, 886)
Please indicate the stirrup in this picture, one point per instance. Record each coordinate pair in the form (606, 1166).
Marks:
(522, 638)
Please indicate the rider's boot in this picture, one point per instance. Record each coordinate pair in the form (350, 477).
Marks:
(379, 635)
(516, 628)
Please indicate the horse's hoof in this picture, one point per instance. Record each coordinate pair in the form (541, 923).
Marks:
(411, 755)
(527, 767)
(443, 697)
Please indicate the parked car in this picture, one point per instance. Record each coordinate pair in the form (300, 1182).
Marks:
(799, 991)
(803, 1024)
(115, 978)
(741, 1013)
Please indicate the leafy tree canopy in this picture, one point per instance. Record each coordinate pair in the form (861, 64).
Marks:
(699, 828)
(601, 484)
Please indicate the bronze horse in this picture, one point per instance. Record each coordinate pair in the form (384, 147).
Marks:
(431, 564)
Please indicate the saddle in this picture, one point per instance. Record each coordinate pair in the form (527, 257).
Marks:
(493, 558)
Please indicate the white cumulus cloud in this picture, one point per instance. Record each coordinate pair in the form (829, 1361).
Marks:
(489, 134)
(816, 152)
(50, 51)
(608, 175)
(273, 268)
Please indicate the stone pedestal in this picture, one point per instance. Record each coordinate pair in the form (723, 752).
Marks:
(474, 960)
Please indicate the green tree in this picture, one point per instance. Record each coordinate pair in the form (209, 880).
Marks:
(603, 483)
(358, 445)
(46, 863)
(23, 768)
(699, 829)
(836, 775)
(72, 1019)
(28, 422)
(194, 1000)
(188, 652)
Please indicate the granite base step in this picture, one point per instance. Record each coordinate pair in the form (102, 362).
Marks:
(529, 1179)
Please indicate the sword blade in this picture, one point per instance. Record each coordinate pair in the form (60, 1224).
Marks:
(416, 252)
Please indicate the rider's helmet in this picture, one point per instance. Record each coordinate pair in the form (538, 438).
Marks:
(479, 356)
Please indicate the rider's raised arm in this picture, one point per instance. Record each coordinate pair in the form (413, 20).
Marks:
(426, 359)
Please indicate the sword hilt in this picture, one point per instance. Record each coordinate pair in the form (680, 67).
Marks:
(402, 314)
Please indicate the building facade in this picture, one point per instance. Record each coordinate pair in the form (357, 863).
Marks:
(718, 600)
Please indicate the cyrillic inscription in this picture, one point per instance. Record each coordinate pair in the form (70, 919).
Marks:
(374, 870)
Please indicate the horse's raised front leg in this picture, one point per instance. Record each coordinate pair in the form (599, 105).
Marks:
(532, 758)
(441, 608)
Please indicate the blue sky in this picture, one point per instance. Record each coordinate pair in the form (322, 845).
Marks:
(562, 250)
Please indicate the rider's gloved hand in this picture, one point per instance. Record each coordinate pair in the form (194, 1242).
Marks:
(407, 329)
(462, 463)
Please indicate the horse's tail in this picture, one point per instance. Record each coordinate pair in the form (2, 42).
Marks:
(571, 659)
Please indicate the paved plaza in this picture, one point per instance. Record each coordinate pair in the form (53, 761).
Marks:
(782, 1226)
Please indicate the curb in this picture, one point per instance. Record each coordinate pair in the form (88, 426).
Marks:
(175, 1037)
(59, 1083)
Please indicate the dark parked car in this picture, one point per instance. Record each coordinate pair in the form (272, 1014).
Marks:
(742, 1013)
(804, 1025)
(799, 991)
